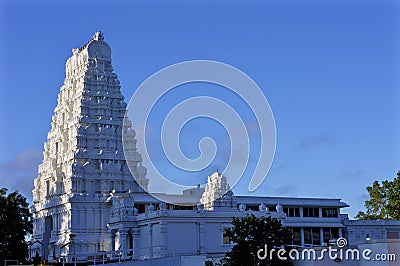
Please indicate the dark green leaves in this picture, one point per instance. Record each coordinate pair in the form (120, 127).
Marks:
(15, 224)
(250, 234)
(384, 201)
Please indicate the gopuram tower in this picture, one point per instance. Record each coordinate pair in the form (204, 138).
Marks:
(83, 159)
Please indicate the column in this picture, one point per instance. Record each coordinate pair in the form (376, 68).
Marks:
(123, 233)
(202, 238)
(59, 213)
(151, 240)
(80, 218)
(302, 236)
(136, 235)
(163, 232)
(340, 232)
(321, 236)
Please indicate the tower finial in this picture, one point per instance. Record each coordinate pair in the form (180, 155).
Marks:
(98, 36)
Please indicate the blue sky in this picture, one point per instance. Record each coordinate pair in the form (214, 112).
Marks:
(329, 70)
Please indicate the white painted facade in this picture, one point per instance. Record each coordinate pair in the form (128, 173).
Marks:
(83, 158)
(86, 201)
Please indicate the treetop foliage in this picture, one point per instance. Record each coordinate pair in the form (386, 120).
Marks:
(250, 234)
(384, 201)
(15, 224)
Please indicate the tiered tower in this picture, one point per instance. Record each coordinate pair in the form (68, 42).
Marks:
(217, 193)
(83, 157)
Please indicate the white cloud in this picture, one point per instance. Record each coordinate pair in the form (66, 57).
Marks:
(286, 190)
(312, 141)
(19, 172)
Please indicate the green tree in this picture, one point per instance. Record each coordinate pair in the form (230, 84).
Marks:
(15, 224)
(250, 234)
(384, 201)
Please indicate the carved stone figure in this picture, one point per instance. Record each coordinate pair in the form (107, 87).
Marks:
(279, 208)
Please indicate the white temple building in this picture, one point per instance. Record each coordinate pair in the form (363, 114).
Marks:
(86, 202)
(83, 159)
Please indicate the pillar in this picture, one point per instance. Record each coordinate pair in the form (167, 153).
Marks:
(123, 233)
(151, 240)
(136, 235)
(163, 236)
(302, 236)
(202, 238)
(321, 236)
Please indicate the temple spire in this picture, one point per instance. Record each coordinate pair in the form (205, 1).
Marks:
(98, 36)
(83, 158)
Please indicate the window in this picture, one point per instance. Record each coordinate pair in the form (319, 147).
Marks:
(296, 236)
(315, 236)
(330, 212)
(251, 207)
(335, 232)
(310, 212)
(47, 188)
(327, 235)
(226, 240)
(292, 212)
(311, 236)
(141, 208)
(307, 236)
(392, 235)
(330, 233)
(178, 207)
